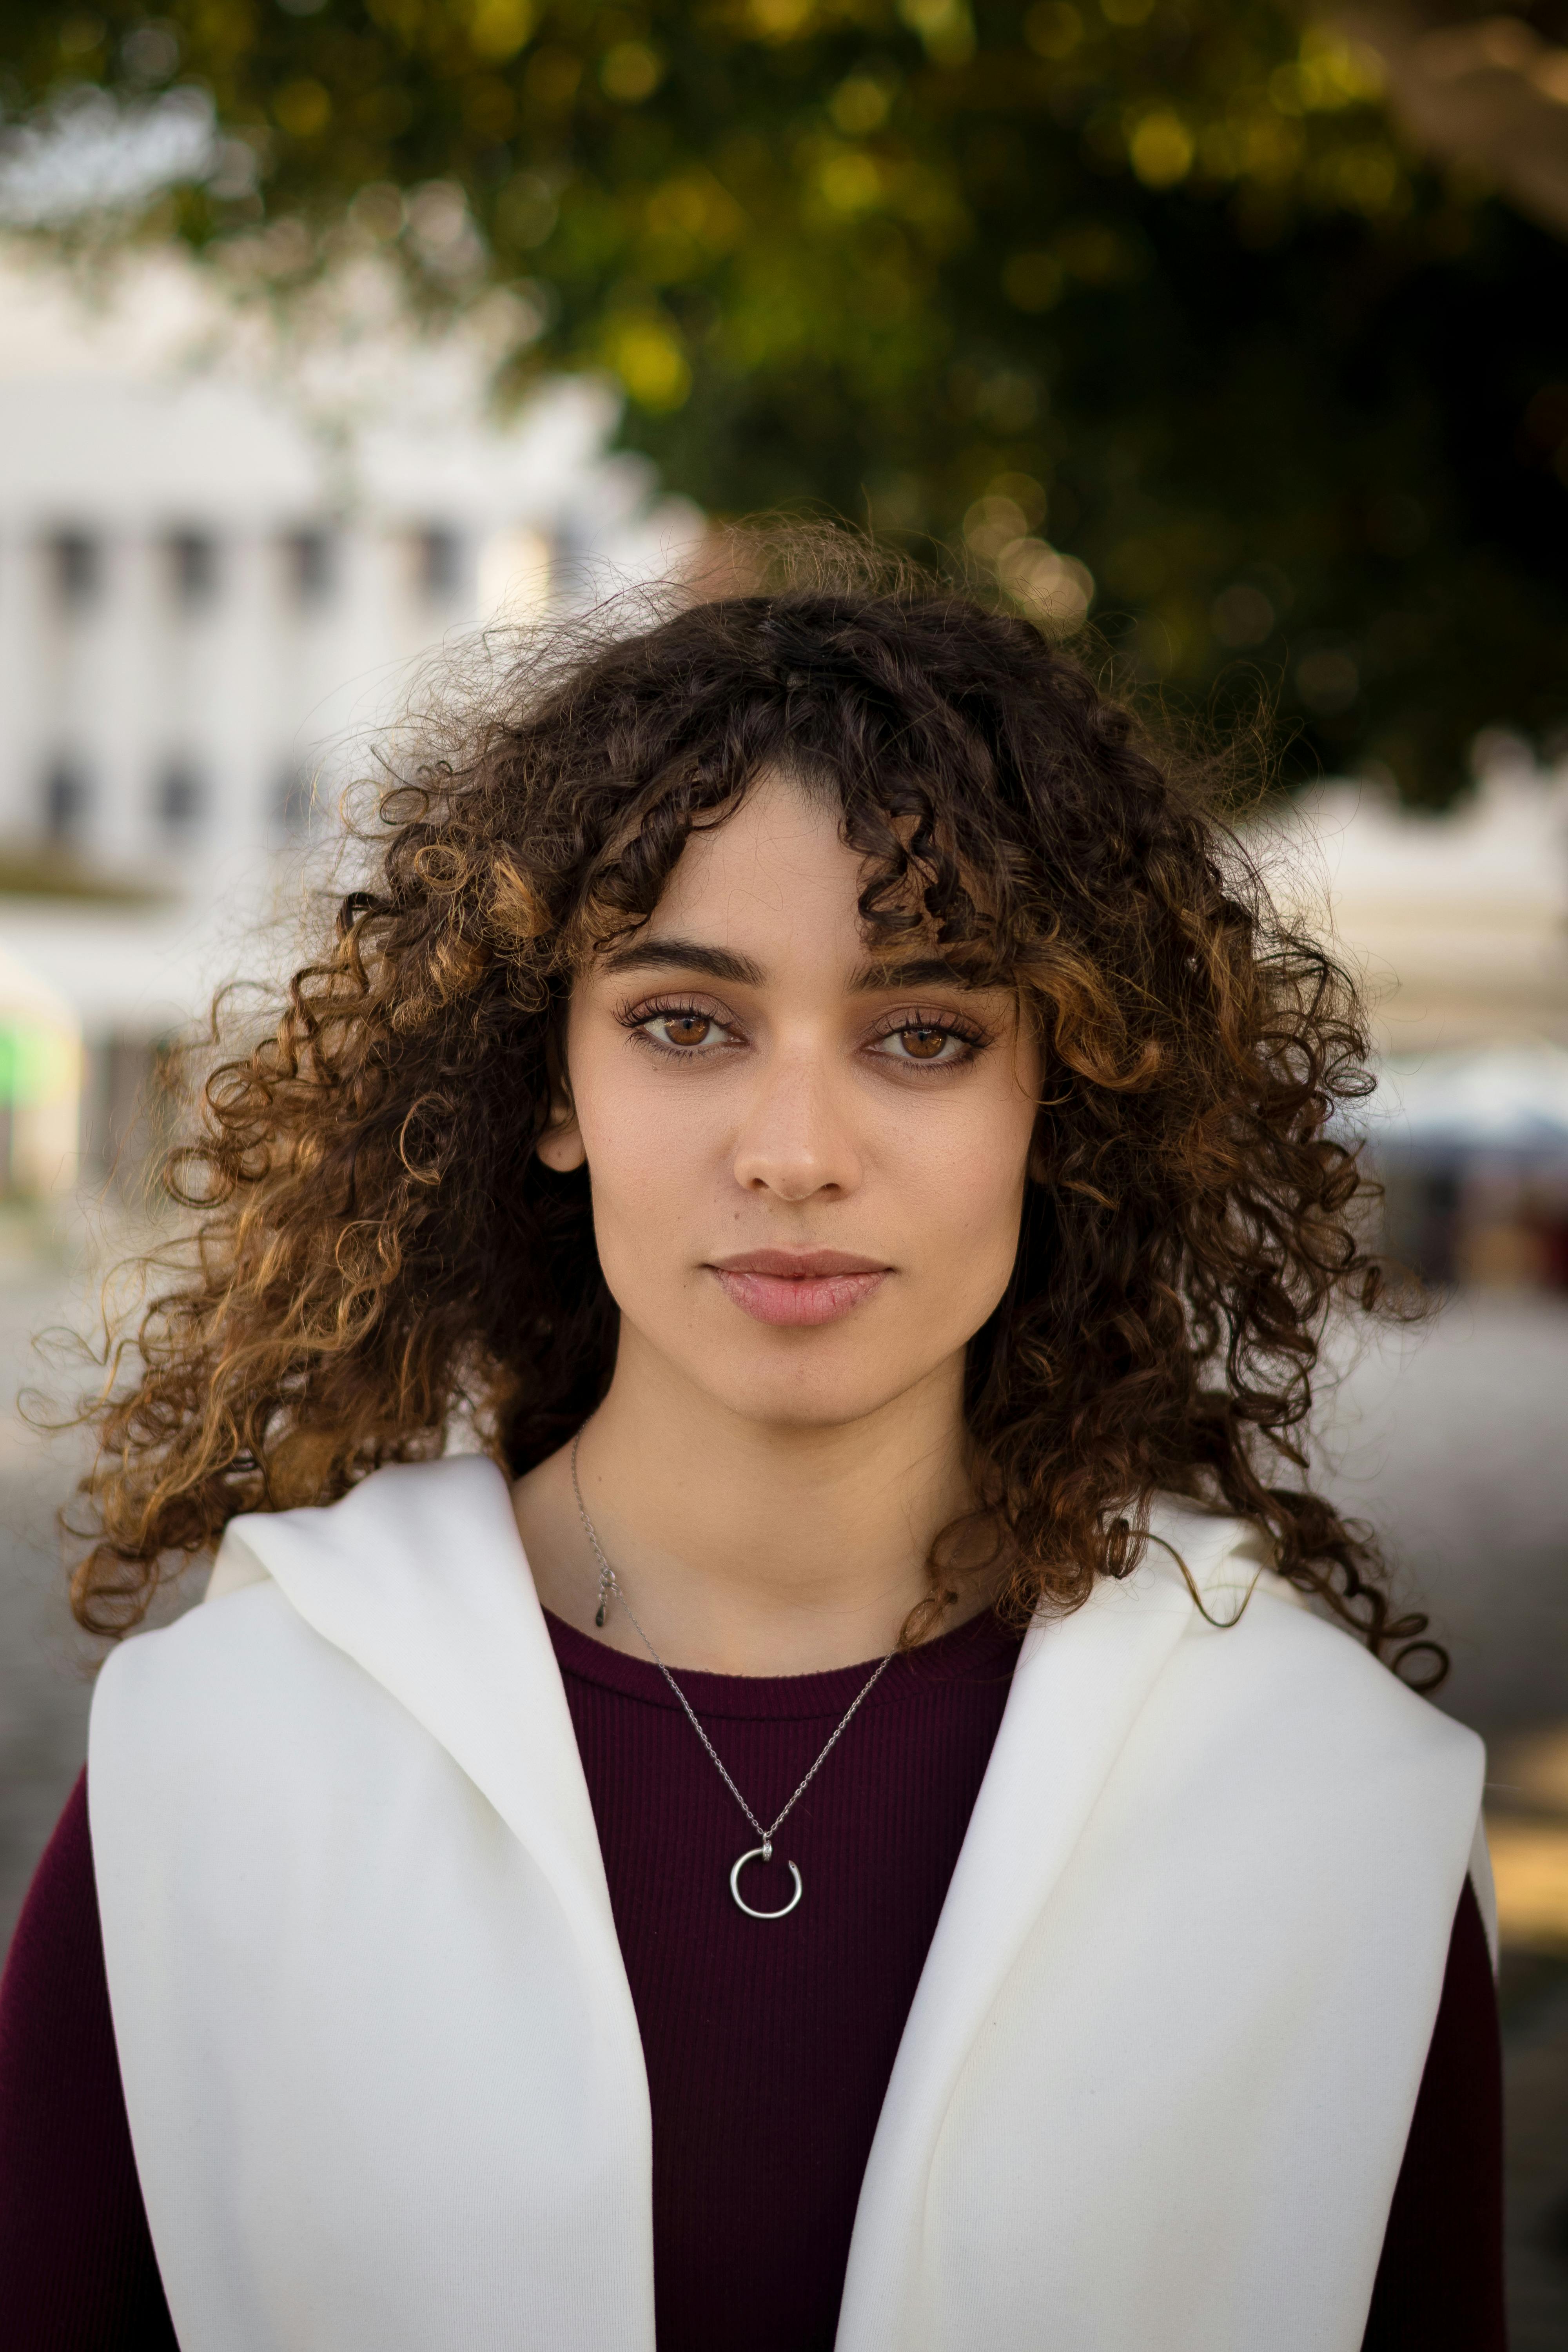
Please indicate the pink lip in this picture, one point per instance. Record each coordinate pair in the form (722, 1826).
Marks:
(798, 1286)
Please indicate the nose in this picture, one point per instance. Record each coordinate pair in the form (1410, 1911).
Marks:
(796, 1140)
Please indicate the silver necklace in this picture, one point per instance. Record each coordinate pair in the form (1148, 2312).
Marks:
(610, 1587)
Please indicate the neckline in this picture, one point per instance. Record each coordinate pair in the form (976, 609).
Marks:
(980, 1650)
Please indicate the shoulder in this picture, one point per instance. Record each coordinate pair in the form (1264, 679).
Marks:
(406, 1515)
(263, 1643)
(229, 1699)
(1257, 1653)
(339, 1642)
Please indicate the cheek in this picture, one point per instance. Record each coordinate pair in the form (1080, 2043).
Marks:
(956, 1176)
(649, 1144)
(972, 1195)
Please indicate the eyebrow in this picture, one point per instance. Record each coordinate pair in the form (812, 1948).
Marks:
(719, 963)
(917, 972)
(686, 955)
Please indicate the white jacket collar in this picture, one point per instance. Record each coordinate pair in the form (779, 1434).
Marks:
(419, 1576)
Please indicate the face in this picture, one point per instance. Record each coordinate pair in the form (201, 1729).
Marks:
(807, 1170)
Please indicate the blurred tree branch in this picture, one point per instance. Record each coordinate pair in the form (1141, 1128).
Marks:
(1158, 292)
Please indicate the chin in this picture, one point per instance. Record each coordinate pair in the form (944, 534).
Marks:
(805, 1387)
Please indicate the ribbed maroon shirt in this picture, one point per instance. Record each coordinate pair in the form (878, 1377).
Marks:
(768, 2046)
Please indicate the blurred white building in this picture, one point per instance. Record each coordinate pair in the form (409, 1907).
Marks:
(1458, 926)
(221, 557)
(198, 596)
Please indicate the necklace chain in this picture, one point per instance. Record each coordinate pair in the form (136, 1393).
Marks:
(609, 1584)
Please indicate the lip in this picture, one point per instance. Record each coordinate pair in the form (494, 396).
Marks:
(798, 1287)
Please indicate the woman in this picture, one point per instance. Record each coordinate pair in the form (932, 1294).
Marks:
(781, 1249)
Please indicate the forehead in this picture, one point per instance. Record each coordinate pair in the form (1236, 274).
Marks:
(774, 890)
(779, 861)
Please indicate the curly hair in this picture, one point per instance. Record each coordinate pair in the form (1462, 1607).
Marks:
(380, 1256)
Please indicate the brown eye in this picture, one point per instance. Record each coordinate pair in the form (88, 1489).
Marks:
(923, 1044)
(682, 1032)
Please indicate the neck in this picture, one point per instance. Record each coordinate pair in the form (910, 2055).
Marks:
(750, 1548)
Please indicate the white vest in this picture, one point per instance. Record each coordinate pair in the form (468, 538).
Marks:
(379, 2057)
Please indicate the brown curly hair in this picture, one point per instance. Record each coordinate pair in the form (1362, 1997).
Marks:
(380, 1255)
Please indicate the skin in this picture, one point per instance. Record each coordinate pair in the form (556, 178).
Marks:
(780, 1446)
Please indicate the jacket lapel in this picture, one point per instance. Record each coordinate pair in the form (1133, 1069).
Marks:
(419, 1576)
(1080, 1686)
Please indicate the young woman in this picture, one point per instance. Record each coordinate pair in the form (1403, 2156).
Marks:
(776, 1756)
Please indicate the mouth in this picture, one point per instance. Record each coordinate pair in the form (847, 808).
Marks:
(798, 1286)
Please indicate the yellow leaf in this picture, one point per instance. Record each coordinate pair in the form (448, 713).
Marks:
(859, 104)
(851, 183)
(945, 27)
(1160, 149)
(780, 20)
(631, 71)
(498, 28)
(646, 355)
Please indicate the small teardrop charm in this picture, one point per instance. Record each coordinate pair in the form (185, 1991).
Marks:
(599, 1614)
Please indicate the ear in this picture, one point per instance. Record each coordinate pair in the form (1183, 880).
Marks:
(560, 1147)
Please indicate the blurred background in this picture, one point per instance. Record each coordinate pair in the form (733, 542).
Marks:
(1228, 337)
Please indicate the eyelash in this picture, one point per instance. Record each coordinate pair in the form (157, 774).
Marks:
(637, 1018)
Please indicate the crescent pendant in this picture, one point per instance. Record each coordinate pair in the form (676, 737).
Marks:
(762, 1853)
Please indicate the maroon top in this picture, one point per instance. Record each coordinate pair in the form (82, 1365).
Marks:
(768, 2047)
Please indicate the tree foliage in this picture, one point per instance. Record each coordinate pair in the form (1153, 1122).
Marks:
(1146, 294)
